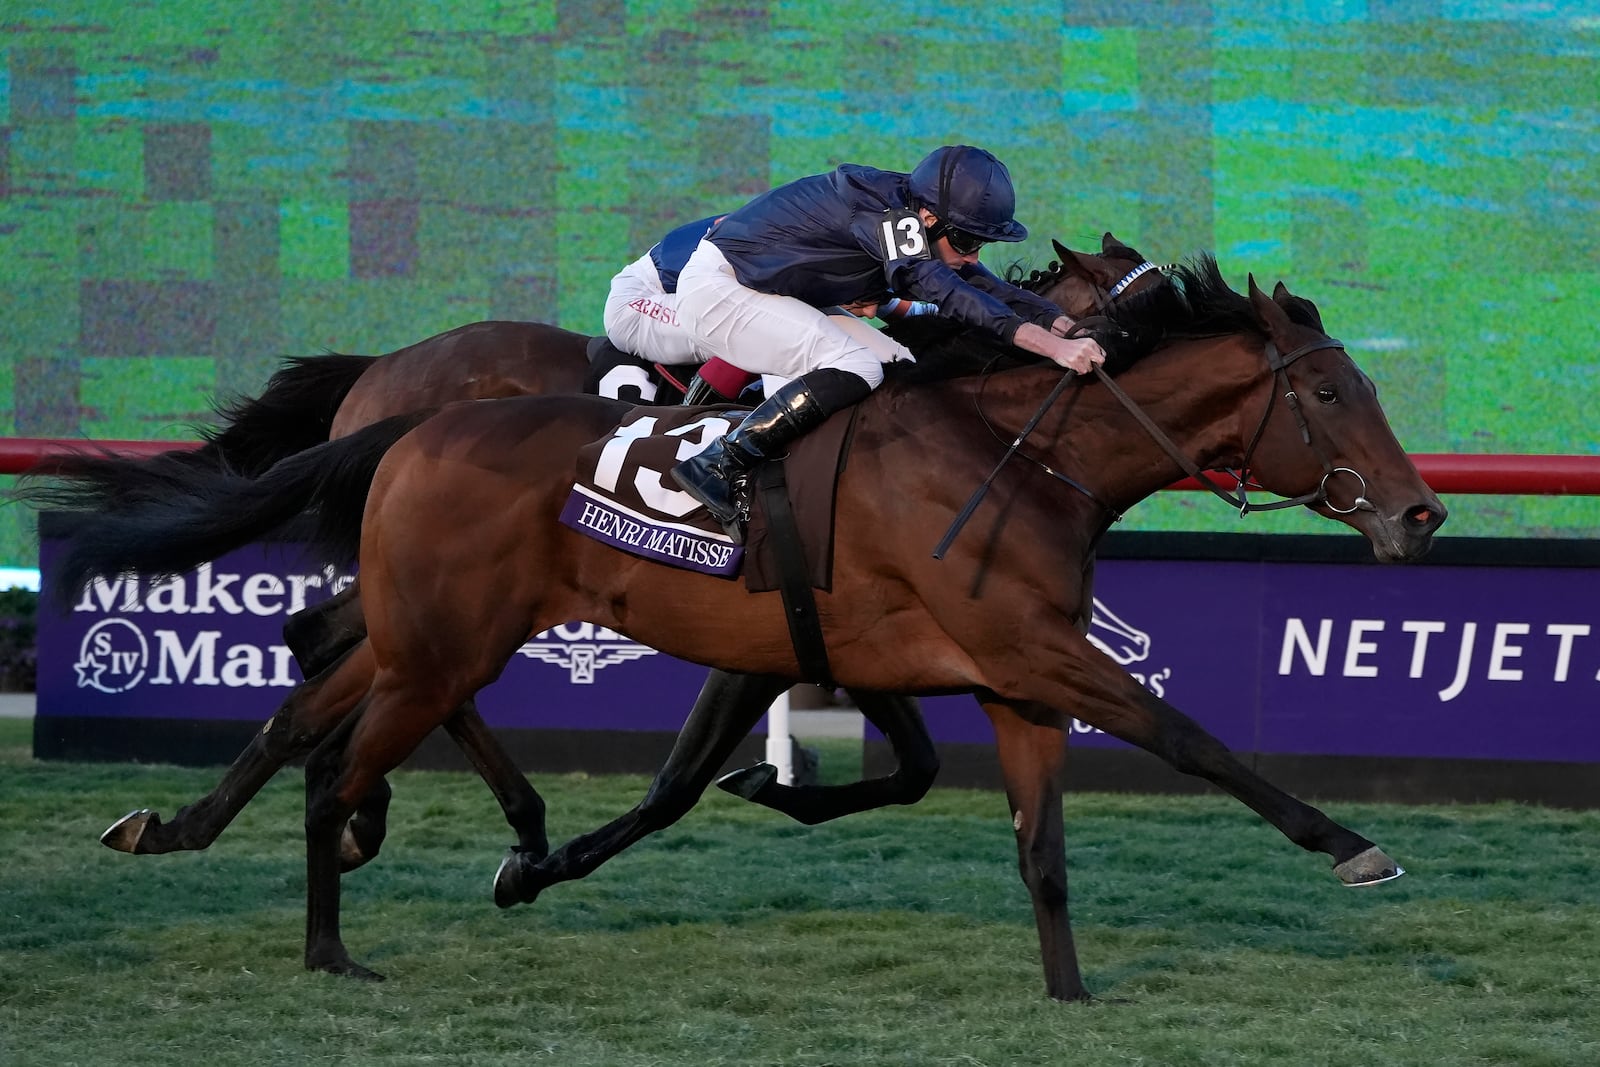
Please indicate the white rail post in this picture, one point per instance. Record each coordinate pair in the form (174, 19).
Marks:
(780, 749)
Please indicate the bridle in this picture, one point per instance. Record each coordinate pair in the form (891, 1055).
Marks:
(1128, 279)
(1278, 362)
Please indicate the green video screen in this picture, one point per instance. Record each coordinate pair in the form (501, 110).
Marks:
(190, 192)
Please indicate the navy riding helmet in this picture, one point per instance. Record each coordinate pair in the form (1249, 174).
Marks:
(970, 189)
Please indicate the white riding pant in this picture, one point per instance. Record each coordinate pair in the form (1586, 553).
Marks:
(773, 335)
(642, 318)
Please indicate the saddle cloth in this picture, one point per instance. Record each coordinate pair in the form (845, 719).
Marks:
(625, 497)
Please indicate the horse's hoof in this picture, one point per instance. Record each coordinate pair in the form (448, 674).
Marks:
(351, 854)
(342, 965)
(124, 834)
(746, 782)
(505, 881)
(1371, 867)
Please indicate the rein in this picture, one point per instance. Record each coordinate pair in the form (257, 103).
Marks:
(978, 494)
(1101, 303)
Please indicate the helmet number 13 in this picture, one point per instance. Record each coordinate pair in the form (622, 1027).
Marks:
(903, 236)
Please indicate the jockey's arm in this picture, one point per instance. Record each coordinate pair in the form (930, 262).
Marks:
(1081, 354)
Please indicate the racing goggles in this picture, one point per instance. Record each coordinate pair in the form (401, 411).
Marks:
(962, 243)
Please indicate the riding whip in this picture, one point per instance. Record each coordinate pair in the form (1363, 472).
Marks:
(979, 493)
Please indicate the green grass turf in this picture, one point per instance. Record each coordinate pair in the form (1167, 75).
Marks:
(738, 937)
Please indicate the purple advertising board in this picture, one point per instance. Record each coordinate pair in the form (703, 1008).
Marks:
(1438, 662)
(1322, 659)
(208, 645)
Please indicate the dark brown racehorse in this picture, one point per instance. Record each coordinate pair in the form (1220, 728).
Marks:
(474, 492)
(314, 398)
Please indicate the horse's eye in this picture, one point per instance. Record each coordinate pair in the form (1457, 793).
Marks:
(1327, 394)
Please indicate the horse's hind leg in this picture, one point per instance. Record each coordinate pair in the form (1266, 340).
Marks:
(523, 807)
(342, 771)
(728, 706)
(1031, 761)
(310, 711)
(521, 803)
(318, 635)
(901, 721)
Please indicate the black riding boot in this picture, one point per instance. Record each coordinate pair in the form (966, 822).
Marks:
(636, 384)
(713, 477)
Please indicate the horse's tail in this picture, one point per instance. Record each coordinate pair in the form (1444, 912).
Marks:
(205, 512)
(294, 413)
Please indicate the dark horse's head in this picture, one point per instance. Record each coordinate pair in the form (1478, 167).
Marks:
(1313, 428)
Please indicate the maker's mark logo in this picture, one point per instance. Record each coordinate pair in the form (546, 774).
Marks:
(113, 657)
(583, 649)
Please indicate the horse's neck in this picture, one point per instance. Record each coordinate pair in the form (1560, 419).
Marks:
(1193, 390)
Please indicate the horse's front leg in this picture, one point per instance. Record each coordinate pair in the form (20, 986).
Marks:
(900, 720)
(1031, 760)
(1123, 708)
(728, 706)
(312, 710)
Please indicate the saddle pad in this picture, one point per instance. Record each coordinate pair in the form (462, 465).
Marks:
(625, 497)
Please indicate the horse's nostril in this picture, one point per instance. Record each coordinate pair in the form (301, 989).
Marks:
(1423, 516)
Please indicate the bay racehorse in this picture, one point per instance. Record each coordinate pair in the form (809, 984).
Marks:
(462, 557)
(321, 397)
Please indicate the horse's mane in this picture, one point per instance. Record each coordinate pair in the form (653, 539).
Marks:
(1037, 281)
(1196, 302)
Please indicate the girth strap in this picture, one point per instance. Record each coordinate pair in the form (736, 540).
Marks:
(799, 602)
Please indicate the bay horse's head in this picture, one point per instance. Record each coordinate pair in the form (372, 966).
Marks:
(1325, 437)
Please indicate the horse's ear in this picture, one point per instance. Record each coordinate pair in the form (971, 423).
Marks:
(1271, 316)
(1111, 246)
(1298, 308)
(1087, 267)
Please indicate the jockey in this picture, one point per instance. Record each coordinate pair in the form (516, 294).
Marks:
(641, 320)
(757, 290)
(642, 327)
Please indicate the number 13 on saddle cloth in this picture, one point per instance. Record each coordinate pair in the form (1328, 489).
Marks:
(625, 498)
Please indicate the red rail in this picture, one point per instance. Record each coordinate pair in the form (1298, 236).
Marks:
(1445, 472)
(1512, 475)
(21, 454)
